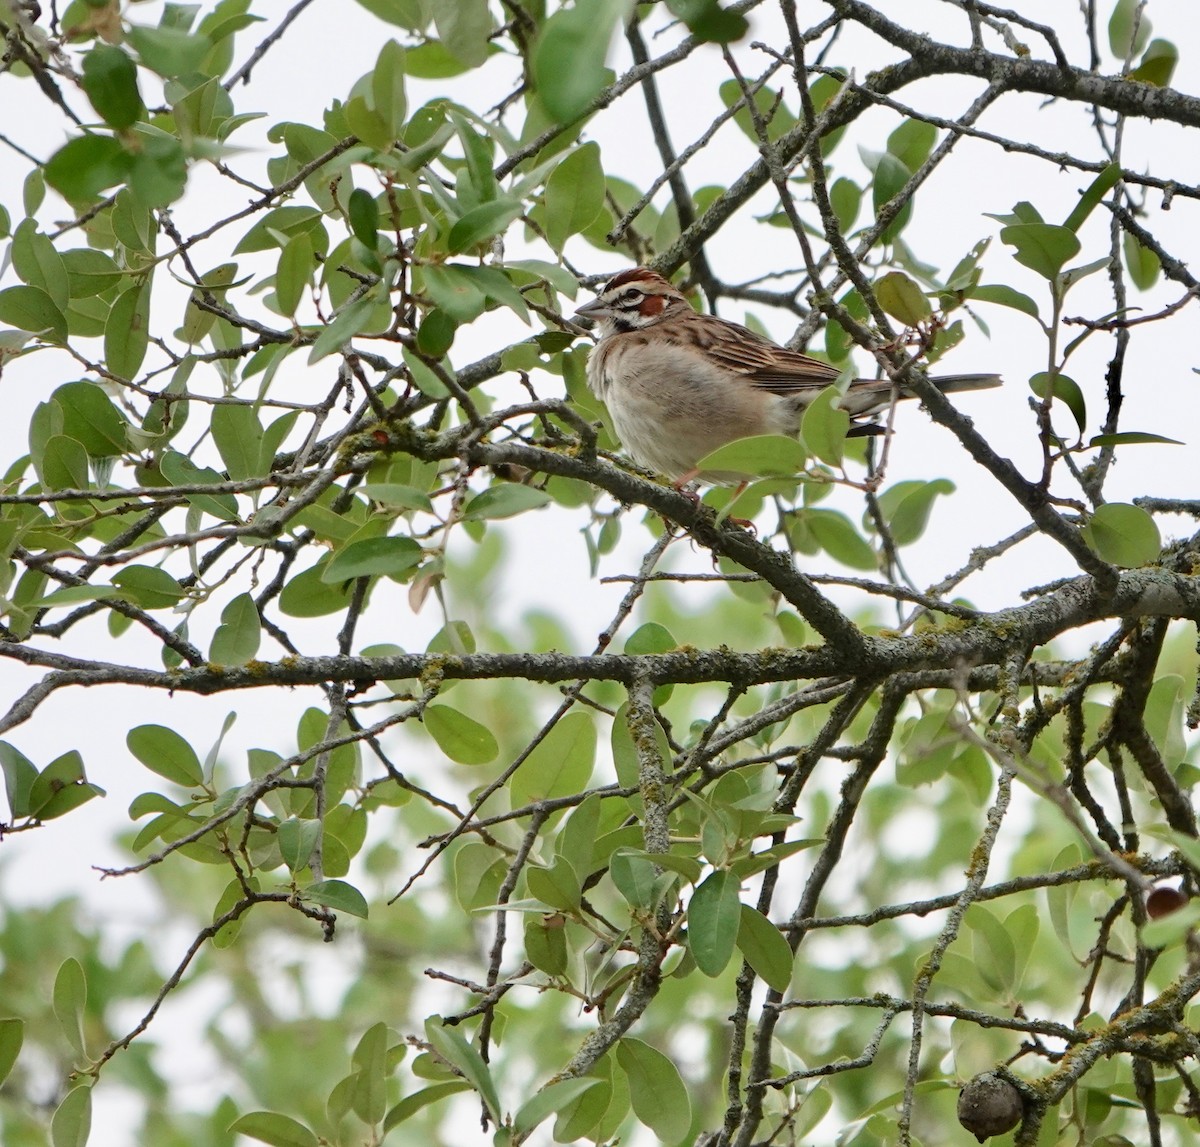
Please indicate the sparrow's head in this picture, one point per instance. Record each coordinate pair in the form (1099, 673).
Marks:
(631, 301)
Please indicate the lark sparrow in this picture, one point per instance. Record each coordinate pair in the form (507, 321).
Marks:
(680, 384)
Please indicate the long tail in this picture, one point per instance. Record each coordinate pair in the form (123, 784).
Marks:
(868, 396)
(956, 382)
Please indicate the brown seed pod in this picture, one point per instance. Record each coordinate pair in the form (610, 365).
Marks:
(1164, 900)
(989, 1105)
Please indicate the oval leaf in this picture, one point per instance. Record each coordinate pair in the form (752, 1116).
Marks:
(72, 1120)
(12, 1034)
(765, 949)
(459, 737)
(1123, 534)
(656, 1092)
(165, 752)
(274, 1128)
(373, 557)
(713, 920)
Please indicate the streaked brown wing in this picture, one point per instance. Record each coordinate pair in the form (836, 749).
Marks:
(761, 362)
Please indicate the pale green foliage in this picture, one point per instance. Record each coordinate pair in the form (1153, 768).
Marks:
(288, 447)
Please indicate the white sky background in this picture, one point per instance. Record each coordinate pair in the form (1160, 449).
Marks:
(333, 43)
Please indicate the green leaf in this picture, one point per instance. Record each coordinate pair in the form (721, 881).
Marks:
(906, 507)
(912, 142)
(633, 874)
(39, 264)
(110, 81)
(1128, 28)
(459, 737)
(770, 107)
(550, 1099)
(86, 166)
(127, 332)
(339, 895)
(768, 858)
(70, 1002)
(169, 51)
(293, 273)
(464, 28)
(451, 1045)
(713, 917)
(845, 197)
(765, 949)
(499, 288)
(1100, 186)
(482, 224)
(297, 839)
(274, 1128)
(60, 787)
(179, 470)
(89, 272)
(689, 867)
(1067, 391)
(165, 752)
(574, 195)
(891, 175)
(19, 775)
(1122, 534)
(1173, 928)
(560, 764)
(1158, 64)
(432, 61)
(309, 595)
(370, 1058)
(993, 951)
(387, 90)
(435, 336)
(12, 1034)
(901, 298)
(568, 60)
(237, 638)
(708, 22)
(658, 1095)
(158, 171)
(411, 1104)
(1042, 247)
(232, 896)
(557, 886)
(238, 436)
(1144, 265)
(762, 455)
(32, 309)
(373, 557)
(1005, 296)
(148, 586)
(90, 417)
(362, 212)
(64, 464)
(836, 535)
(504, 501)
(71, 1123)
(455, 291)
(349, 321)
(823, 427)
(1133, 438)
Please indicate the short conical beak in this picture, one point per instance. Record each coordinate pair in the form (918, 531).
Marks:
(592, 311)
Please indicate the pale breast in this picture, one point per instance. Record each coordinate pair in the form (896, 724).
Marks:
(671, 407)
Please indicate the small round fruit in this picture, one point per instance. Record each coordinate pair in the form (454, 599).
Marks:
(1164, 900)
(989, 1105)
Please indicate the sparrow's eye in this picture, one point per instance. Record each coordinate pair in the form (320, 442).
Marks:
(631, 297)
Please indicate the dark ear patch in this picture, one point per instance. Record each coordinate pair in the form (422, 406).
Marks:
(653, 305)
